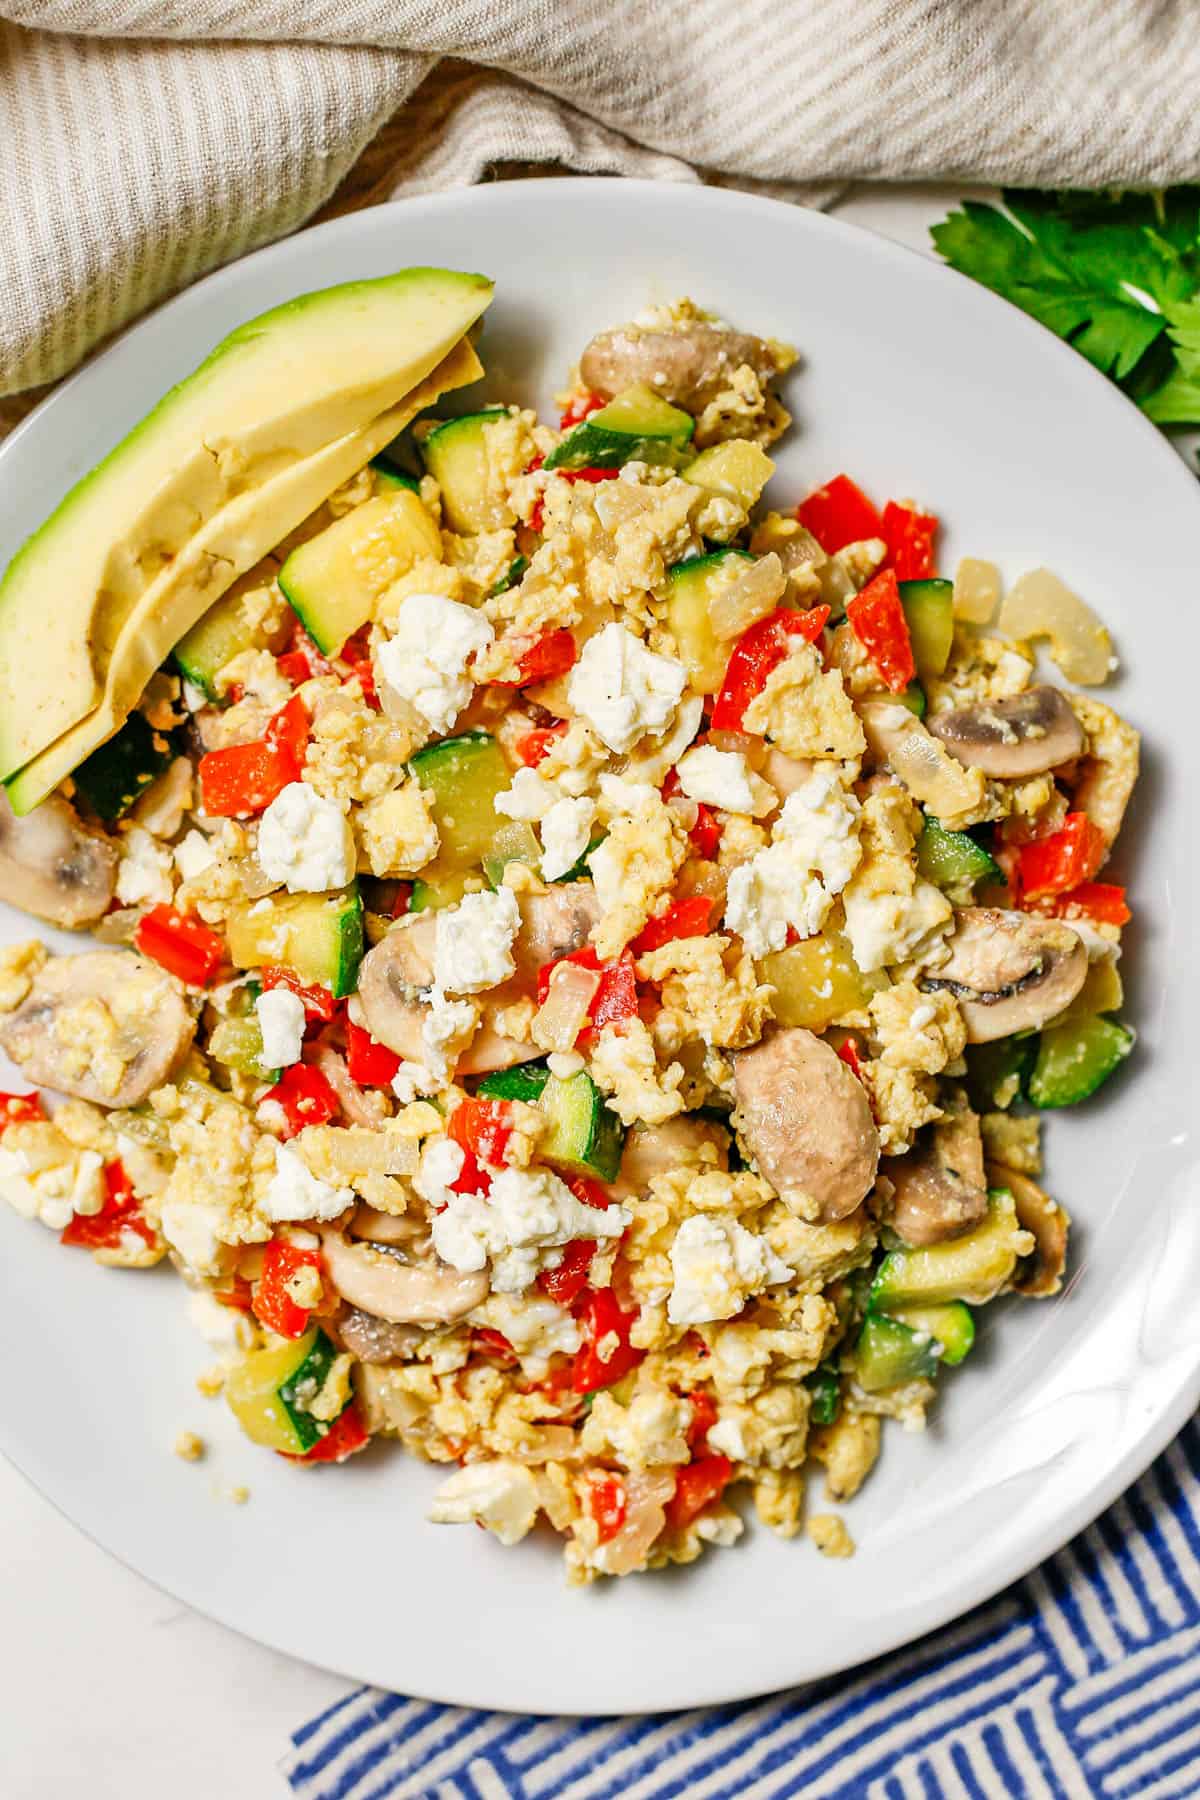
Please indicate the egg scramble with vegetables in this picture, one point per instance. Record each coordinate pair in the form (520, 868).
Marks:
(582, 959)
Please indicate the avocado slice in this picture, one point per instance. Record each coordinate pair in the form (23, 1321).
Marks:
(234, 541)
(276, 392)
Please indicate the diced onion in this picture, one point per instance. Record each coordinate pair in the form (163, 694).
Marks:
(1042, 606)
(747, 599)
(647, 1494)
(563, 1013)
(976, 590)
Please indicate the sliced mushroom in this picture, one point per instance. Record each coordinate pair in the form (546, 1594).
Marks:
(106, 1027)
(404, 1229)
(940, 1189)
(807, 1123)
(375, 1340)
(385, 1283)
(1039, 1275)
(1023, 735)
(397, 975)
(1009, 971)
(52, 867)
(656, 1149)
(687, 367)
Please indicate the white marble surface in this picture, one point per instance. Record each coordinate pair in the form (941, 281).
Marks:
(109, 1688)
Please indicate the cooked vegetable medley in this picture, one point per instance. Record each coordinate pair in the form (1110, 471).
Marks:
(582, 958)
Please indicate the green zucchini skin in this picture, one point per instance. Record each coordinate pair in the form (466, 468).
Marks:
(1076, 1058)
(114, 775)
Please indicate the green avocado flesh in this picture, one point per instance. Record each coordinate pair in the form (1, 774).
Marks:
(285, 409)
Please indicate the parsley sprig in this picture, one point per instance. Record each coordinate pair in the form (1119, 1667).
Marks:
(1117, 276)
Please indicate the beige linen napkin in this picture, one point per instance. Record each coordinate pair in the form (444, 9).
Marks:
(143, 142)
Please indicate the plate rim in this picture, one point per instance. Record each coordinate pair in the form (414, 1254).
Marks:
(915, 1621)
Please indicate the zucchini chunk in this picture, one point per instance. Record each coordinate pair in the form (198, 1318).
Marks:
(929, 610)
(268, 1391)
(318, 936)
(736, 470)
(953, 859)
(635, 426)
(114, 775)
(334, 581)
(951, 1325)
(1075, 1058)
(456, 456)
(464, 774)
(690, 586)
(973, 1268)
(887, 1354)
(998, 1073)
(388, 476)
(584, 1136)
(226, 629)
(825, 1388)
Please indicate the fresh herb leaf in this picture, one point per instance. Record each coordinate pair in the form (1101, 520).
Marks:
(1109, 273)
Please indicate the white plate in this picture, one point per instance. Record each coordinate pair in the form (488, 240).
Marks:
(918, 383)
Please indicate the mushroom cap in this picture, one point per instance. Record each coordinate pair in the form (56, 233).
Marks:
(54, 868)
(107, 1027)
(420, 1291)
(651, 1150)
(1040, 1274)
(396, 976)
(686, 366)
(1010, 971)
(806, 1120)
(1024, 735)
(940, 1188)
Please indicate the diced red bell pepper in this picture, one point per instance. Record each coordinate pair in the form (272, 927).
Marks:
(305, 1096)
(686, 918)
(356, 654)
(244, 778)
(849, 1055)
(705, 835)
(876, 617)
(551, 654)
(704, 1417)
(839, 514)
(271, 1303)
(346, 1435)
(616, 997)
(495, 1345)
(1103, 902)
(302, 659)
(485, 1127)
(1065, 860)
(581, 407)
(368, 1062)
(121, 1212)
(607, 1504)
(18, 1109)
(472, 1178)
(319, 1003)
(567, 1282)
(536, 744)
(180, 944)
(909, 536)
(696, 1487)
(240, 1297)
(602, 1318)
(759, 650)
(590, 1192)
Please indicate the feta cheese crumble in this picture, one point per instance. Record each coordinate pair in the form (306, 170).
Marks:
(566, 832)
(194, 854)
(424, 661)
(792, 883)
(723, 778)
(717, 1265)
(473, 942)
(281, 1022)
(305, 841)
(624, 690)
(520, 1227)
(144, 877)
(295, 1193)
(501, 1495)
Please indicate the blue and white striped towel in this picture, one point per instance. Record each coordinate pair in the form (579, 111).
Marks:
(1082, 1682)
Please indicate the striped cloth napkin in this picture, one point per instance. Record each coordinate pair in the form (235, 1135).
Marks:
(145, 142)
(1082, 1682)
